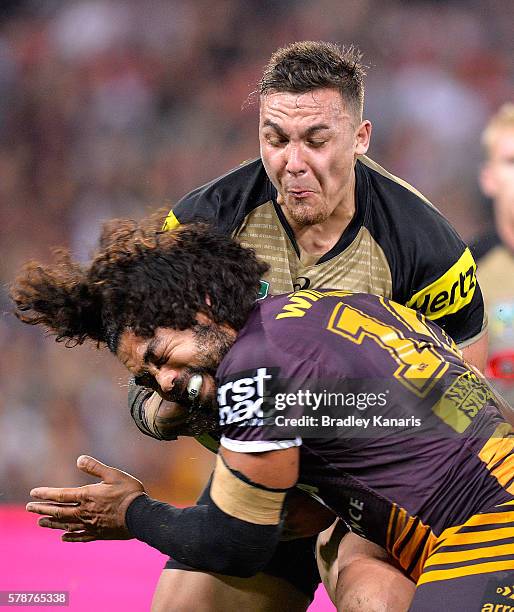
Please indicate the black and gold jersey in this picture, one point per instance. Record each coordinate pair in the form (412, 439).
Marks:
(397, 244)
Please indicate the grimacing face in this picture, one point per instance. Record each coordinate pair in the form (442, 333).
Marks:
(309, 143)
(167, 361)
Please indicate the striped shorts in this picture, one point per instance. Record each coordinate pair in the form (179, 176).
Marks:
(471, 567)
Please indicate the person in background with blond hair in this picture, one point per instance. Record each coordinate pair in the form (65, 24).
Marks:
(494, 251)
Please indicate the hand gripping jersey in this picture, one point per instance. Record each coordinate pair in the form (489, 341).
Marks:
(397, 245)
(397, 435)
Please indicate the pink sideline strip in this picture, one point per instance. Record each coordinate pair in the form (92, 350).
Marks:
(101, 576)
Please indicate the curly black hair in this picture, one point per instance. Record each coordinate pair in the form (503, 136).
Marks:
(142, 278)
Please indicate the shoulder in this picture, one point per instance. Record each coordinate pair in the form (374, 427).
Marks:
(226, 200)
(432, 268)
(254, 345)
(385, 181)
(418, 241)
(290, 332)
(283, 333)
(399, 205)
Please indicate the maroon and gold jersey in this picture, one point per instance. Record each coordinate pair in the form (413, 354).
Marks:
(397, 434)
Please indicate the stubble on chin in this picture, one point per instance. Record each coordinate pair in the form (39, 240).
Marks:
(304, 215)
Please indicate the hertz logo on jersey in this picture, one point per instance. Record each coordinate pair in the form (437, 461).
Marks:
(450, 292)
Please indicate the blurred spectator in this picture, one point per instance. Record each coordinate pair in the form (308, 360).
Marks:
(495, 250)
(114, 107)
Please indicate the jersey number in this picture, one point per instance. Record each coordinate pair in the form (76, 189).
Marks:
(419, 364)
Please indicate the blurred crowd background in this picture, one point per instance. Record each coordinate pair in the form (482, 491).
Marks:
(114, 108)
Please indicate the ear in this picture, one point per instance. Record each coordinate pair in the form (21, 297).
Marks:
(487, 180)
(203, 319)
(362, 137)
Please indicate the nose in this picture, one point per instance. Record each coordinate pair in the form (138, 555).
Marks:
(165, 378)
(295, 162)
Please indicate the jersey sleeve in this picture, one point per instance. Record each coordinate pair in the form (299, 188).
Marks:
(436, 273)
(263, 389)
(249, 402)
(446, 290)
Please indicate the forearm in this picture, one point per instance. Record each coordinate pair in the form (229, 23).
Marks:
(204, 536)
(137, 397)
(154, 416)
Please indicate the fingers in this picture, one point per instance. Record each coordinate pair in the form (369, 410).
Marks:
(60, 495)
(59, 512)
(92, 466)
(80, 537)
(51, 523)
(106, 473)
(75, 532)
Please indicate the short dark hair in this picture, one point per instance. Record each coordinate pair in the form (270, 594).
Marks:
(141, 278)
(307, 65)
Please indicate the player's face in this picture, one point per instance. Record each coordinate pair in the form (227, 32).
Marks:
(309, 143)
(498, 176)
(167, 362)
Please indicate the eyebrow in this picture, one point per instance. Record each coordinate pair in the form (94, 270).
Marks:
(275, 126)
(151, 350)
(308, 132)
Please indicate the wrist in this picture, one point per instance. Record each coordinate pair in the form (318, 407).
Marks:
(127, 506)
